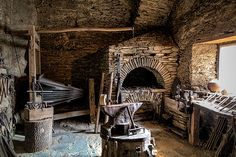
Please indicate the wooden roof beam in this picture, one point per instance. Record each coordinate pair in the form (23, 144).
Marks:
(89, 29)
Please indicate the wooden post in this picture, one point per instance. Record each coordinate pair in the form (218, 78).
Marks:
(109, 94)
(38, 61)
(88, 29)
(92, 105)
(194, 126)
(32, 60)
(99, 108)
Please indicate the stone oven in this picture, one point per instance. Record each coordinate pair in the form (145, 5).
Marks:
(145, 68)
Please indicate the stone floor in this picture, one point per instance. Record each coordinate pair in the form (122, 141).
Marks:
(75, 139)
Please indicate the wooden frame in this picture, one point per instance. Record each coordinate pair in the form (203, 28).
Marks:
(35, 61)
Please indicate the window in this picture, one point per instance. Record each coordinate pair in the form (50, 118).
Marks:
(227, 68)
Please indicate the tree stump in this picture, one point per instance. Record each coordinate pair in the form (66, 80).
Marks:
(38, 134)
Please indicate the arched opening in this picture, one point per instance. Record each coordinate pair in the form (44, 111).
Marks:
(143, 77)
(144, 84)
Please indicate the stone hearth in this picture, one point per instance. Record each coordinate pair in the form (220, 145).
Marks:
(153, 52)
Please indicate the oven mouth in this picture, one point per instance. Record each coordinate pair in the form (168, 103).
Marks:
(143, 77)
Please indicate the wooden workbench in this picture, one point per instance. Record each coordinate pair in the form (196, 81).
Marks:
(195, 118)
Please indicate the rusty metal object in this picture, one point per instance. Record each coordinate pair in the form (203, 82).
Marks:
(223, 103)
(229, 103)
(120, 119)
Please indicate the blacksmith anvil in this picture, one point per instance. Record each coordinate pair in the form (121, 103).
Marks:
(120, 120)
(121, 137)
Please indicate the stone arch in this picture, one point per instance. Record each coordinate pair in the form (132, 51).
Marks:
(151, 64)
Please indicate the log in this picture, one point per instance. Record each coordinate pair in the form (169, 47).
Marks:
(51, 31)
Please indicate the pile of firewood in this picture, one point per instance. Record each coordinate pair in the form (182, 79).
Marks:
(179, 119)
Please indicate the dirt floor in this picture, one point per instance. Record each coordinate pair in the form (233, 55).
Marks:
(74, 139)
(169, 144)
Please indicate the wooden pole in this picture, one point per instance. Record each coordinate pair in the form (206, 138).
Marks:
(85, 30)
(32, 61)
(92, 105)
(99, 108)
(109, 94)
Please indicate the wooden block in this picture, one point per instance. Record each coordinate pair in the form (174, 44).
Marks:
(38, 114)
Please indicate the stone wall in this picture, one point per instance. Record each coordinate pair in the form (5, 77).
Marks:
(13, 48)
(15, 13)
(72, 58)
(67, 57)
(152, 13)
(204, 64)
(83, 13)
(195, 21)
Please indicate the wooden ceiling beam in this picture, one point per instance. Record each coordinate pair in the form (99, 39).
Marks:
(222, 40)
(89, 29)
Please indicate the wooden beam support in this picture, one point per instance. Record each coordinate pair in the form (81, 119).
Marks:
(37, 47)
(70, 114)
(32, 61)
(37, 37)
(92, 105)
(221, 39)
(52, 31)
(38, 62)
(99, 107)
(109, 95)
(194, 128)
